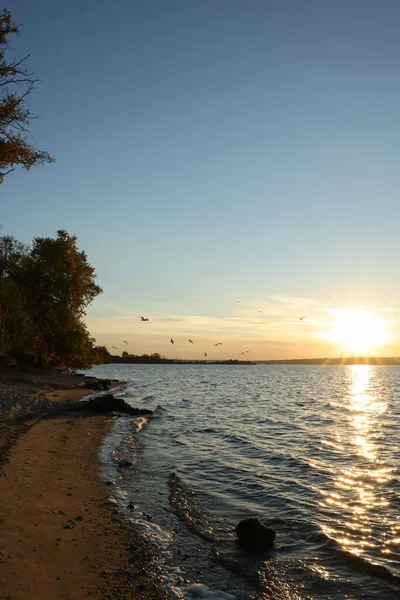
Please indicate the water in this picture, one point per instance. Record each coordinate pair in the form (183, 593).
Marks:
(313, 451)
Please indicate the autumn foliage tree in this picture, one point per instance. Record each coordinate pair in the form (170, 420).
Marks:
(44, 291)
(16, 83)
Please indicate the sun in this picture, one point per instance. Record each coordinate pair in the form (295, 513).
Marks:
(357, 331)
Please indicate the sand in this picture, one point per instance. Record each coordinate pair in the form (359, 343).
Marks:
(59, 535)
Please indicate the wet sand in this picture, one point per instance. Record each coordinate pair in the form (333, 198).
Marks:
(59, 535)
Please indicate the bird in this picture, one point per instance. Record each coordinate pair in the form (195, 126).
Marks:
(191, 341)
(143, 319)
(125, 341)
(115, 347)
(205, 353)
(260, 311)
(304, 317)
(172, 341)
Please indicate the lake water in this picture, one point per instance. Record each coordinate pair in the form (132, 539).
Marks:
(312, 451)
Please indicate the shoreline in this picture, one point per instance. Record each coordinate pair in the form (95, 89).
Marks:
(59, 534)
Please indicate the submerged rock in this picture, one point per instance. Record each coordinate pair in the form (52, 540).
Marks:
(125, 463)
(254, 535)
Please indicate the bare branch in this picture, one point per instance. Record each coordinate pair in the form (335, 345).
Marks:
(2, 175)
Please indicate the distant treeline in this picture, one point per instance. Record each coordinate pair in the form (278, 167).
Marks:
(44, 290)
(352, 360)
(158, 359)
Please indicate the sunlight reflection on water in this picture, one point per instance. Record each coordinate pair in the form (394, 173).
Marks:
(360, 487)
(365, 407)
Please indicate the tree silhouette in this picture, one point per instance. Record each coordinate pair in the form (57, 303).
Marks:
(44, 291)
(16, 83)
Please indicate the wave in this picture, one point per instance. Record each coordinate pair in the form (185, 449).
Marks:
(354, 561)
(188, 508)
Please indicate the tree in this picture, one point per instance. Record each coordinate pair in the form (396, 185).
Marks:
(44, 291)
(101, 355)
(16, 83)
(59, 284)
(14, 321)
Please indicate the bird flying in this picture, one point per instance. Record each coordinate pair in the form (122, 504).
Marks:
(218, 344)
(115, 347)
(304, 317)
(205, 353)
(172, 341)
(143, 319)
(191, 341)
(125, 341)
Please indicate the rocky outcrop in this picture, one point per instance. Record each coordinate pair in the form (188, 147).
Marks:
(98, 384)
(99, 404)
(254, 536)
(109, 403)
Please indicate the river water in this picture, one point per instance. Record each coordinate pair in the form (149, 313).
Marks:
(312, 451)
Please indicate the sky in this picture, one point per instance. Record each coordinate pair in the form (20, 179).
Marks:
(218, 158)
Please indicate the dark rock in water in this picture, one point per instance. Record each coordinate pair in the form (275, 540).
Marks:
(125, 463)
(93, 385)
(108, 403)
(254, 535)
(99, 384)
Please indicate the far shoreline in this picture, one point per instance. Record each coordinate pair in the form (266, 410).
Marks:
(339, 361)
(346, 361)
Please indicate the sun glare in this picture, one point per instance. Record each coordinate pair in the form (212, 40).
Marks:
(357, 331)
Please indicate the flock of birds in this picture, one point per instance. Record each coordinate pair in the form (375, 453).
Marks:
(172, 341)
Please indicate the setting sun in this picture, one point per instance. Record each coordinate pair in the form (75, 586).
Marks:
(357, 331)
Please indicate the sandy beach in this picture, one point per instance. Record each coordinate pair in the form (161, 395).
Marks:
(59, 535)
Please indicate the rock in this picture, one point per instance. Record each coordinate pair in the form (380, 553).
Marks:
(98, 384)
(125, 463)
(254, 535)
(109, 403)
(93, 385)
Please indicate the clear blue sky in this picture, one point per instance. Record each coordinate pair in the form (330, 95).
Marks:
(210, 151)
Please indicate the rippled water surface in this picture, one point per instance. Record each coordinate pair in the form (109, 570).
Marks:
(313, 451)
